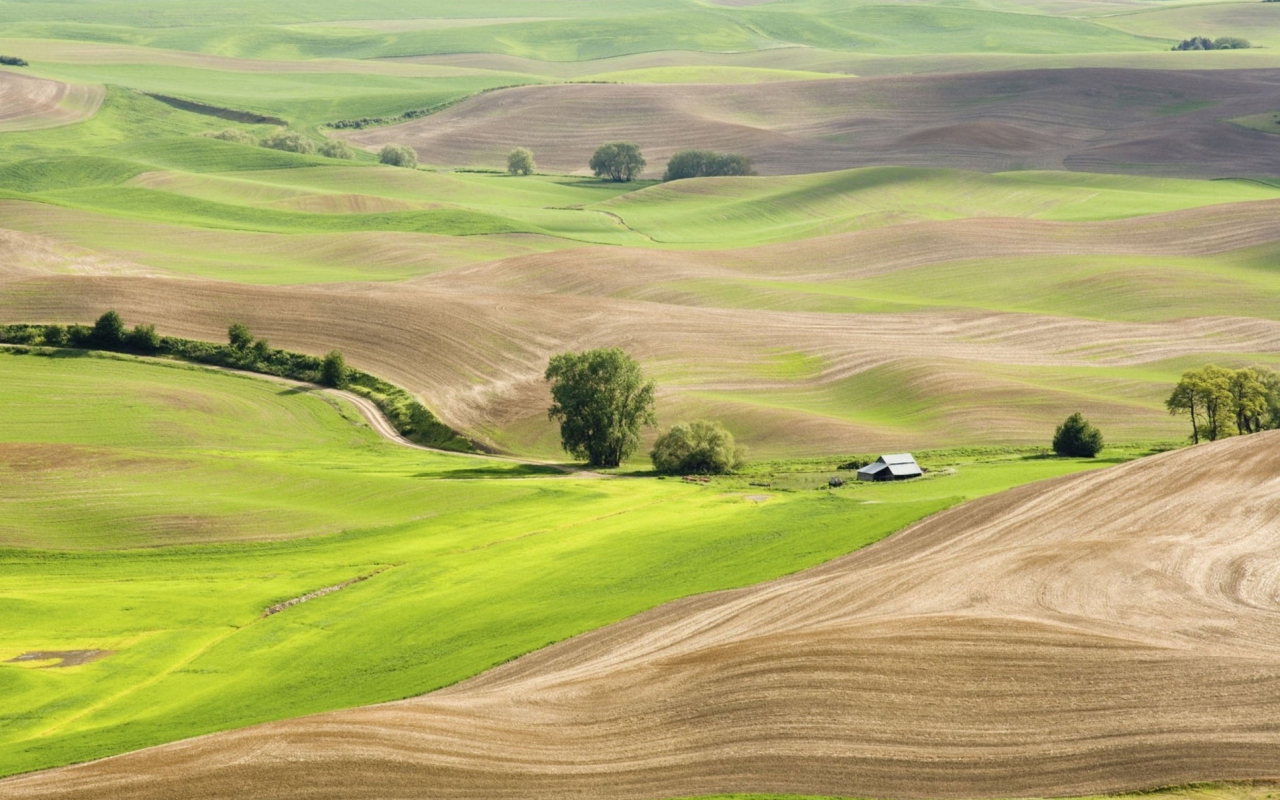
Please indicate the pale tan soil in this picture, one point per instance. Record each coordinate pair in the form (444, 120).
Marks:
(473, 341)
(28, 103)
(1103, 632)
(477, 356)
(1103, 120)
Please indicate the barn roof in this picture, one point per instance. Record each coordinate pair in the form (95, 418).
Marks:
(898, 464)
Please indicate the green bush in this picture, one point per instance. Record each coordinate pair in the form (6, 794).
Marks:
(13, 61)
(333, 370)
(289, 142)
(108, 331)
(701, 447)
(1221, 43)
(619, 161)
(55, 335)
(143, 339)
(337, 149)
(706, 164)
(520, 161)
(239, 337)
(397, 155)
(1075, 437)
(234, 135)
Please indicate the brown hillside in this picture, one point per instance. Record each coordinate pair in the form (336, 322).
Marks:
(1110, 120)
(1107, 631)
(28, 103)
(473, 341)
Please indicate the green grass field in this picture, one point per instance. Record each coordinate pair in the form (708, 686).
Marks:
(188, 501)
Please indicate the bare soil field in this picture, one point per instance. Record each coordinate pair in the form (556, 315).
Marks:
(1108, 631)
(28, 103)
(476, 352)
(1101, 120)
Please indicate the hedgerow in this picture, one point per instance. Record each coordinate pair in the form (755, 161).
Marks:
(413, 420)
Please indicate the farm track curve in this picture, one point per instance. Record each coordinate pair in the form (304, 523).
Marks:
(1156, 122)
(1107, 631)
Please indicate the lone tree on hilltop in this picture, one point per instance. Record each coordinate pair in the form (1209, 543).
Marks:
(333, 370)
(696, 448)
(397, 155)
(520, 161)
(108, 331)
(239, 337)
(601, 400)
(620, 161)
(1076, 437)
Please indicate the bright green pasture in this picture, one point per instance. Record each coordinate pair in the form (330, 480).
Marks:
(563, 31)
(304, 98)
(745, 211)
(1257, 22)
(1242, 283)
(261, 493)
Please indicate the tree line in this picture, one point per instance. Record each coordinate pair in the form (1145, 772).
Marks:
(1222, 402)
(1205, 43)
(245, 352)
(395, 155)
(623, 162)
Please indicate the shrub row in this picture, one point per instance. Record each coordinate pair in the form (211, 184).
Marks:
(413, 420)
(13, 61)
(1205, 43)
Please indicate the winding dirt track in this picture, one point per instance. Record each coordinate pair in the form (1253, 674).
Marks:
(1155, 122)
(1107, 631)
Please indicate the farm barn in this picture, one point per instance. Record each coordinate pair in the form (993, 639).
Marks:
(891, 468)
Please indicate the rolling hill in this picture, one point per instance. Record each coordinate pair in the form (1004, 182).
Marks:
(1094, 633)
(1169, 122)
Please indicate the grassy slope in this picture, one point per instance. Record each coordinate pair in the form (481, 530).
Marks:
(476, 571)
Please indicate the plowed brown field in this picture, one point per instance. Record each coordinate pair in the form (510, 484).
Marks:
(28, 103)
(1107, 631)
(1100, 120)
(473, 341)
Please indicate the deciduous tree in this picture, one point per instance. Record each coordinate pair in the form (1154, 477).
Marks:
(619, 161)
(601, 400)
(696, 448)
(1077, 438)
(520, 161)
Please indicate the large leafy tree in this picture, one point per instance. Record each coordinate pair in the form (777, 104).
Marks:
(619, 161)
(601, 400)
(1076, 437)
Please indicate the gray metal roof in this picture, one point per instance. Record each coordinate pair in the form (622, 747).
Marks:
(899, 458)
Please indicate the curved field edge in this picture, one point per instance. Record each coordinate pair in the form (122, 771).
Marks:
(965, 657)
(410, 418)
(192, 653)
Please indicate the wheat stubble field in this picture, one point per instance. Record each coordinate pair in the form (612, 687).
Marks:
(967, 222)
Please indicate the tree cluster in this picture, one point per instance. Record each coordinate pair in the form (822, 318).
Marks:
(1205, 43)
(1223, 402)
(397, 155)
(287, 141)
(618, 161)
(706, 164)
(13, 61)
(697, 448)
(243, 351)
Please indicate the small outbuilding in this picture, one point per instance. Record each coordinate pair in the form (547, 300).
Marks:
(897, 467)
